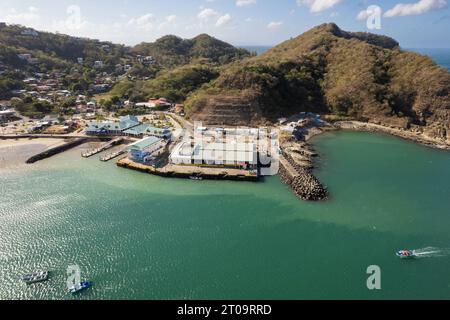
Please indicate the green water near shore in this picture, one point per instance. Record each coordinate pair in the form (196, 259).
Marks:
(139, 236)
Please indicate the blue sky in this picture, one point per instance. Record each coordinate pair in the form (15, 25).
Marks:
(414, 23)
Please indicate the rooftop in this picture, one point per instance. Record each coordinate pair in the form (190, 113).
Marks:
(144, 143)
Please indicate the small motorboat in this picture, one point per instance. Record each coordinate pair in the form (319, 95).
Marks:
(34, 277)
(406, 254)
(79, 287)
(197, 178)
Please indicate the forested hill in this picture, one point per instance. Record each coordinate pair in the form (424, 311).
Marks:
(83, 62)
(55, 50)
(174, 51)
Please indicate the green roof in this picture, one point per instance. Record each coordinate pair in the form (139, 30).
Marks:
(146, 129)
(140, 129)
(125, 123)
(144, 143)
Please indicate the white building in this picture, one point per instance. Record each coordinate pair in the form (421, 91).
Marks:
(238, 155)
(98, 64)
(6, 115)
(29, 32)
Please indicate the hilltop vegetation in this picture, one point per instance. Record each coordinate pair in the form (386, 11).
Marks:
(173, 51)
(174, 85)
(184, 66)
(55, 51)
(327, 70)
(170, 67)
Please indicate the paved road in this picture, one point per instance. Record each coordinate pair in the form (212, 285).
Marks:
(185, 123)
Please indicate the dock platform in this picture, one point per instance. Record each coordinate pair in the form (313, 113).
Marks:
(113, 155)
(102, 148)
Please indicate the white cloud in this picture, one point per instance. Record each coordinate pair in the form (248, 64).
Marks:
(30, 18)
(145, 19)
(169, 21)
(363, 15)
(171, 18)
(207, 13)
(274, 25)
(33, 9)
(144, 22)
(243, 3)
(223, 20)
(417, 8)
(318, 5)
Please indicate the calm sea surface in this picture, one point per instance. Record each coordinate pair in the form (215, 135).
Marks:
(441, 56)
(138, 236)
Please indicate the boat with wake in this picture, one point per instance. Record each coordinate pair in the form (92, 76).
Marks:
(406, 254)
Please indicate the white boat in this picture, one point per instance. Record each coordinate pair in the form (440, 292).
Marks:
(406, 254)
(34, 277)
(79, 286)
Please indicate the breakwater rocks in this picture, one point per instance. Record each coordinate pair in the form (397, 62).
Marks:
(56, 150)
(299, 177)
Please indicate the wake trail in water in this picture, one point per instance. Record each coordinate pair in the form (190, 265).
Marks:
(432, 252)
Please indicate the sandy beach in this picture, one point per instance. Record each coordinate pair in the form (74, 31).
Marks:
(16, 152)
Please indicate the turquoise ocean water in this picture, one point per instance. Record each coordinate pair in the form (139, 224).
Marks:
(139, 236)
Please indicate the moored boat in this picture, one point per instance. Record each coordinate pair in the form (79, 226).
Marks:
(34, 277)
(79, 286)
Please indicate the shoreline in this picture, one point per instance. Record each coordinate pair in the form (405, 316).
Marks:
(371, 127)
(297, 165)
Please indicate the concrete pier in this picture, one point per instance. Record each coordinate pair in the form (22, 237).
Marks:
(178, 171)
(56, 150)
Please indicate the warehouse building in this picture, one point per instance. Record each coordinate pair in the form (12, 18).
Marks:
(226, 155)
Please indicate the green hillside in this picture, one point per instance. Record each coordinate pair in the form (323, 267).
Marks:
(327, 70)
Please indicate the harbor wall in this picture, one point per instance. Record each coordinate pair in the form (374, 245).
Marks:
(53, 151)
(173, 173)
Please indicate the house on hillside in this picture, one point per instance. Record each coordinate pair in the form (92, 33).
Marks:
(98, 64)
(6, 115)
(30, 32)
(179, 109)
